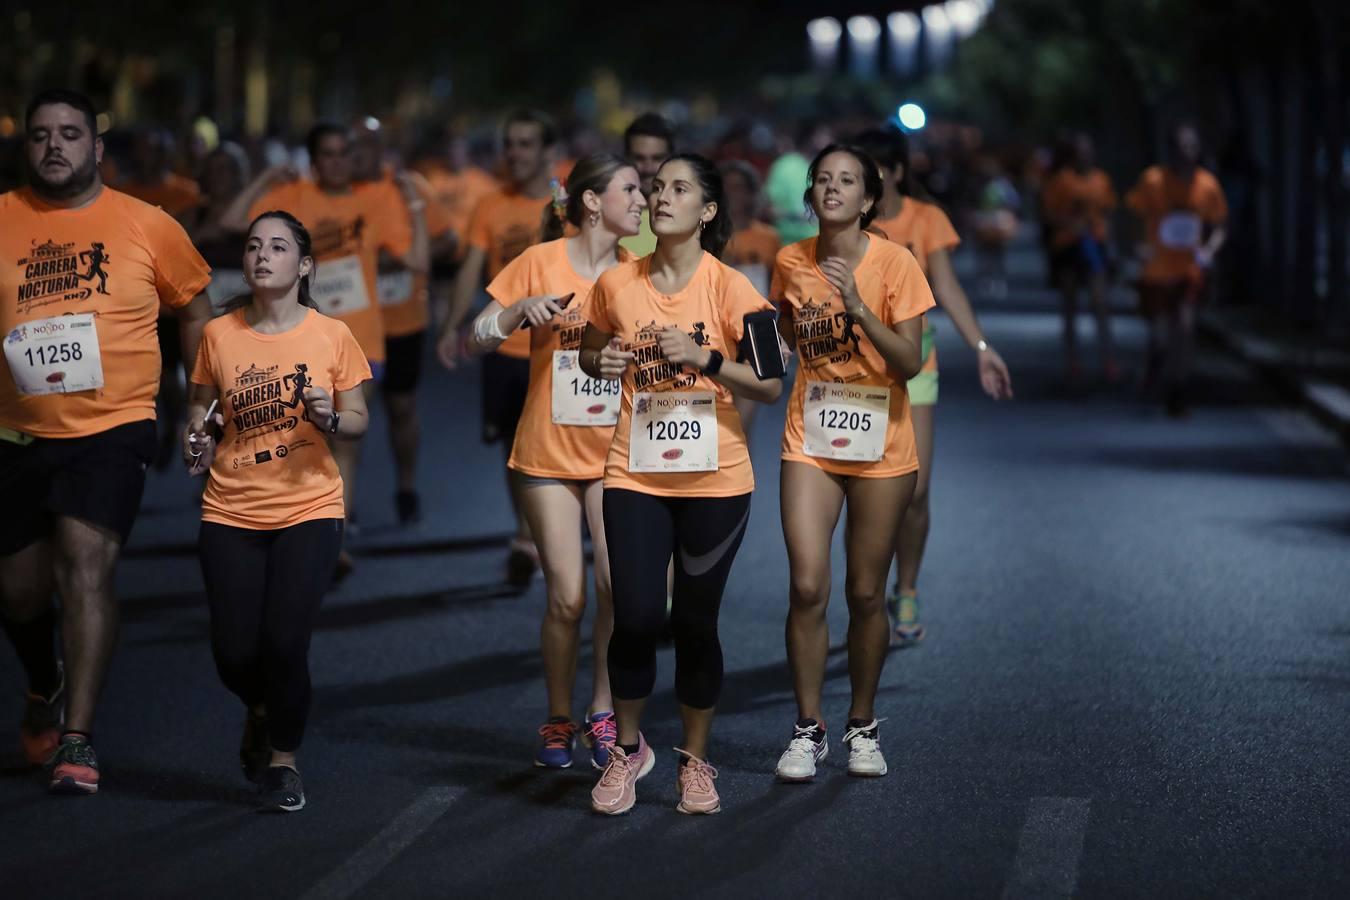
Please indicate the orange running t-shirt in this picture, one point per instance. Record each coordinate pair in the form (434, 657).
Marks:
(403, 294)
(347, 232)
(1158, 195)
(459, 192)
(503, 224)
(1082, 196)
(175, 195)
(711, 309)
(922, 228)
(107, 267)
(751, 252)
(543, 449)
(273, 467)
(833, 348)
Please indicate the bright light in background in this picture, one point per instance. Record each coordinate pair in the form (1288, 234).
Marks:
(904, 31)
(864, 33)
(904, 26)
(824, 31)
(863, 29)
(964, 16)
(937, 35)
(824, 34)
(912, 116)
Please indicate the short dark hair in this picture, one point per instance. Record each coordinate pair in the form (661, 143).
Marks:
(872, 185)
(650, 125)
(321, 131)
(74, 99)
(548, 129)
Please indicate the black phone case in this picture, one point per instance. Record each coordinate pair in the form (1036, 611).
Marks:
(759, 346)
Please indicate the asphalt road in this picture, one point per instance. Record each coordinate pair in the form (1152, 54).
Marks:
(1135, 683)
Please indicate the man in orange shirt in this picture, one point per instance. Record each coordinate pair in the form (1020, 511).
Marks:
(349, 227)
(504, 224)
(84, 272)
(1076, 201)
(403, 297)
(1183, 212)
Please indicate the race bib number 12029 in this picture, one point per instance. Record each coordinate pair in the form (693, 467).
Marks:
(673, 431)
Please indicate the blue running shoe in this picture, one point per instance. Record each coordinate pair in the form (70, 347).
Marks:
(601, 732)
(557, 737)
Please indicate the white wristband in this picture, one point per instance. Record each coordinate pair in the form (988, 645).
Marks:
(488, 329)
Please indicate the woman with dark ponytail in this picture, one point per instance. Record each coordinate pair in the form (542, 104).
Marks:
(677, 478)
(287, 381)
(565, 429)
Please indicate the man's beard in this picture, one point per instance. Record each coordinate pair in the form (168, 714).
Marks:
(79, 181)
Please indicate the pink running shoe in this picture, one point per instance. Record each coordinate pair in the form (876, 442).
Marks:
(616, 791)
(698, 794)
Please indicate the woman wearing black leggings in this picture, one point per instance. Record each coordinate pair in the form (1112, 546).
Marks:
(677, 479)
(286, 380)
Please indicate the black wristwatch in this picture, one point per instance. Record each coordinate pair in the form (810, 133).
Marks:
(714, 363)
(333, 423)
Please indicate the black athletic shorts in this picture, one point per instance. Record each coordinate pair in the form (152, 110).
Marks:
(99, 479)
(403, 362)
(505, 381)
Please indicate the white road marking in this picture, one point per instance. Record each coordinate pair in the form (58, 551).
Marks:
(1047, 854)
(363, 865)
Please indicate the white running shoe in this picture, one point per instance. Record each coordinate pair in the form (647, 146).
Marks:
(864, 750)
(807, 747)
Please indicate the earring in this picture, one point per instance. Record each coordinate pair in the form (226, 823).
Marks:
(595, 219)
(701, 225)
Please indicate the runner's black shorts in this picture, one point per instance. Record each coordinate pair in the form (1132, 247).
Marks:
(505, 381)
(98, 479)
(403, 362)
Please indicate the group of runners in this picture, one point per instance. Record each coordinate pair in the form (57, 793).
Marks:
(634, 323)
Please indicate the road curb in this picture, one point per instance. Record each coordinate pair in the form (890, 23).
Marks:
(1327, 401)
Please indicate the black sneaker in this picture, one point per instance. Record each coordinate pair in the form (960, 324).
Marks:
(43, 719)
(282, 790)
(73, 768)
(409, 507)
(255, 749)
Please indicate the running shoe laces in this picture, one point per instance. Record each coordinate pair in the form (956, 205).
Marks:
(700, 775)
(616, 770)
(605, 730)
(556, 735)
(75, 751)
(803, 743)
(863, 738)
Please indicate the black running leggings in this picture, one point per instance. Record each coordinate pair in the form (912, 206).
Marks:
(264, 590)
(643, 532)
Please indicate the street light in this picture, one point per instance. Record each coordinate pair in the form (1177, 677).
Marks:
(824, 34)
(904, 31)
(864, 34)
(964, 16)
(937, 33)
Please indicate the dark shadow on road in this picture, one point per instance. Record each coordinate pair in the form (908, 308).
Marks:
(1271, 461)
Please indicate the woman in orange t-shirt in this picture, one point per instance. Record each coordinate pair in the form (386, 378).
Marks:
(677, 477)
(287, 380)
(853, 305)
(925, 229)
(565, 430)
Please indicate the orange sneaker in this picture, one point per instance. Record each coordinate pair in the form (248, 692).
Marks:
(74, 767)
(698, 794)
(40, 730)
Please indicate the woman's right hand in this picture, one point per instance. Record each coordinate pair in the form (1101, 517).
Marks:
(199, 446)
(613, 361)
(538, 310)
